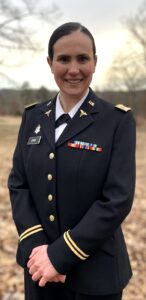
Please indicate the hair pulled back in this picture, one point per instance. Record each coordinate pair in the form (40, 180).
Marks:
(66, 29)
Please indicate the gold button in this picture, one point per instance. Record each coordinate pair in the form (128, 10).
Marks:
(50, 197)
(51, 155)
(50, 177)
(51, 218)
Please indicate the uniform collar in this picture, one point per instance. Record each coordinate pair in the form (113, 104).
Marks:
(83, 118)
(91, 104)
(59, 110)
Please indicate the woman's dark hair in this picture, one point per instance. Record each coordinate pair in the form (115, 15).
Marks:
(66, 29)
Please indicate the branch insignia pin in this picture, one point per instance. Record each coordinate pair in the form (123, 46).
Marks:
(48, 112)
(82, 113)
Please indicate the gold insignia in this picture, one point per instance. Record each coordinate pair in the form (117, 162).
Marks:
(82, 113)
(31, 105)
(48, 112)
(91, 103)
(123, 107)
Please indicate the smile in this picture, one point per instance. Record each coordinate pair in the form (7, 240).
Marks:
(73, 81)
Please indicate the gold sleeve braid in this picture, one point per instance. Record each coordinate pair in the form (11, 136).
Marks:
(74, 247)
(30, 231)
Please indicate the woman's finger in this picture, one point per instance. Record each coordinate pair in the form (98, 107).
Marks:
(36, 276)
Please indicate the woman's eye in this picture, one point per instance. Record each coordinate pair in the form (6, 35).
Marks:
(83, 58)
(63, 59)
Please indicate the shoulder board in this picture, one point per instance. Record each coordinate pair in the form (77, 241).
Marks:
(31, 105)
(122, 107)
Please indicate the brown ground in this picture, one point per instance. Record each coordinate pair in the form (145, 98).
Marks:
(11, 275)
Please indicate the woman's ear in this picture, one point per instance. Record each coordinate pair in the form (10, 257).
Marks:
(96, 59)
(95, 62)
(49, 61)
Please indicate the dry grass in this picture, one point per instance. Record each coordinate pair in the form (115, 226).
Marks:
(11, 283)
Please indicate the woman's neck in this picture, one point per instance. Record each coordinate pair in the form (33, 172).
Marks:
(67, 105)
(68, 102)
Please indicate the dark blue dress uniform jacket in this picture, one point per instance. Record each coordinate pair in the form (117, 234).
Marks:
(74, 195)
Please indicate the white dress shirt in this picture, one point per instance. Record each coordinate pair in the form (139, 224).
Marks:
(59, 111)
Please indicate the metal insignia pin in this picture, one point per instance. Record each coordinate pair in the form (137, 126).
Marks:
(91, 103)
(37, 130)
(48, 112)
(82, 113)
(49, 103)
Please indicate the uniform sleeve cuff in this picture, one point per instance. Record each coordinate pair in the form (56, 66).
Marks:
(27, 244)
(65, 254)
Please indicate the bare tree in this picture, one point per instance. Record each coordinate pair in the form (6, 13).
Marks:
(137, 27)
(19, 23)
(128, 69)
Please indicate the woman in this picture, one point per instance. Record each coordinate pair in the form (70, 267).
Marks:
(72, 182)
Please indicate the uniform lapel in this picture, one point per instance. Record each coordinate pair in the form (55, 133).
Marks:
(48, 121)
(82, 119)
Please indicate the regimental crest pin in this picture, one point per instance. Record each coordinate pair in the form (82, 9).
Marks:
(37, 130)
(82, 113)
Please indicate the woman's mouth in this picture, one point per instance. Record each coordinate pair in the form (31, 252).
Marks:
(73, 81)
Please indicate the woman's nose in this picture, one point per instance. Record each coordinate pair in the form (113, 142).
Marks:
(73, 68)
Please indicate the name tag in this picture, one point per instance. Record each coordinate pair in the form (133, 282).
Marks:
(34, 140)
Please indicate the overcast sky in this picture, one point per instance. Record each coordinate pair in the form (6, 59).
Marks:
(103, 18)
